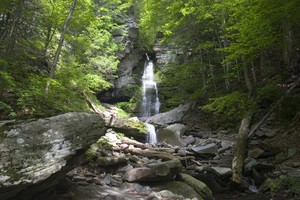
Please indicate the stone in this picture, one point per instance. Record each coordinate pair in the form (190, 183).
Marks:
(79, 178)
(295, 173)
(179, 188)
(291, 151)
(153, 172)
(171, 134)
(32, 151)
(271, 133)
(188, 140)
(207, 149)
(281, 156)
(110, 161)
(249, 164)
(173, 116)
(222, 171)
(293, 164)
(202, 189)
(255, 153)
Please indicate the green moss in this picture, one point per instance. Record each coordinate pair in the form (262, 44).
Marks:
(180, 188)
(138, 125)
(91, 153)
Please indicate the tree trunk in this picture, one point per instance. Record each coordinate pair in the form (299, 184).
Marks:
(253, 73)
(202, 69)
(240, 150)
(61, 40)
(247, 77)
(14, 28)
(212, 76)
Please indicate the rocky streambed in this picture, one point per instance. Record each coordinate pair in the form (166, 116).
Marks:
(52, 159)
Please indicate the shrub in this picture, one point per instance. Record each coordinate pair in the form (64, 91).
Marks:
(230, 109)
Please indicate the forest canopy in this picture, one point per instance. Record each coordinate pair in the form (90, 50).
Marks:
(57, 53)
(54, 53)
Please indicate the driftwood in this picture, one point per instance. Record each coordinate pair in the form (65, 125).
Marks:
(240, 150)
(133, 142)
(273, 108)
(156, 154)
(152, 153)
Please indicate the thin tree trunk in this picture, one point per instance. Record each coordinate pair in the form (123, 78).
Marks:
(288, 41)
(53, 66)
(61, 40)
(253, 73)
(14, 29)
(238, 72)
(247, 77)
(202, 69)
(212, 76)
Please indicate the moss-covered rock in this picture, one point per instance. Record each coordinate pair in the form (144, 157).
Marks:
(180, 188)
(198, 186)
(130, 128)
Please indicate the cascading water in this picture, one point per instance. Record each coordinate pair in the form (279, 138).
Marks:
(150, 100)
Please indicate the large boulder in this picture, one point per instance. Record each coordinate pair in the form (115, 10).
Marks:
(154, 172)
(173, 116)
(172, 134)
(33, 151)
(199, 186)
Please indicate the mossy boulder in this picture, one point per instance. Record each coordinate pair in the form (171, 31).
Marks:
(198, 186)
(180, 188)
(130, 128)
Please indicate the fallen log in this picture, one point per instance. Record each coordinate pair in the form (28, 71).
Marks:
(240, 150)
(156, 154)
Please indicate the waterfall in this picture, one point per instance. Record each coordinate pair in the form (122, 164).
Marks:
(150, 101)
(151, 137)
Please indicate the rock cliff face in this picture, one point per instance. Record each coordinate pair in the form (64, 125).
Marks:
(131, 61)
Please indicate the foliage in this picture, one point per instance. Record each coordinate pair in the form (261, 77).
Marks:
(7, 110)
(31, 33)
(269, 94)
(289, 108)
(58, 99)
(292, 183)
(125, 106)
(223, 40)
(230, 108)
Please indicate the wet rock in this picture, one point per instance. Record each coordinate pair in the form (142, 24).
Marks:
(250, 162)
(207, 149)
(171, 134)
(257, 177)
